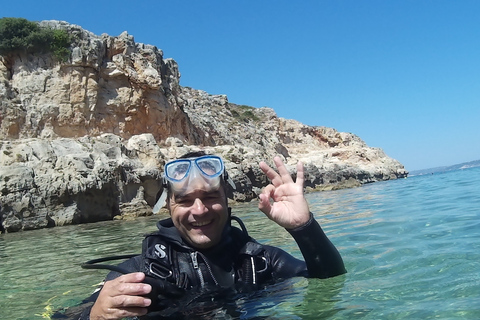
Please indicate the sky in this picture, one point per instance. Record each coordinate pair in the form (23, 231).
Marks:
(404, 76)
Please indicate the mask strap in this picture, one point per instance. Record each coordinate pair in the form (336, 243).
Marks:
(163, 198)
(229, 180)
(160, 203)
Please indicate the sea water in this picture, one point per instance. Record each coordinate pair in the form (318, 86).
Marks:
(411, 248)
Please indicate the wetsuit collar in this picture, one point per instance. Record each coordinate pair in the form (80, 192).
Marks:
(167, 229)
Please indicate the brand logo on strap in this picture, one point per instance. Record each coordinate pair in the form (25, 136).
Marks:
(159, 251)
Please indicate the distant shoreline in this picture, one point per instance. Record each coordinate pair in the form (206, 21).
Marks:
(460, 166)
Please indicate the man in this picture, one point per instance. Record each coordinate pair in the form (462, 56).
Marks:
(198, 249)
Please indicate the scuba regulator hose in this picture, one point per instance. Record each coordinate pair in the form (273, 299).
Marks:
(162, 290)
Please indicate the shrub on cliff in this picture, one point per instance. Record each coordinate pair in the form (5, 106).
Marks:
(243, 113)
(21, 35)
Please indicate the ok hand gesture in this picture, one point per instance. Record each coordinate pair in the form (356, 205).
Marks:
(283, 200)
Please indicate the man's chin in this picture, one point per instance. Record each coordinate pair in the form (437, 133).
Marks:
(203, 242)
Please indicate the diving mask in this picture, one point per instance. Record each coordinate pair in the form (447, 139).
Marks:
(182, 176)
(192, 173)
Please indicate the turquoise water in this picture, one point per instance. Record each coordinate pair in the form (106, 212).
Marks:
(411, 247)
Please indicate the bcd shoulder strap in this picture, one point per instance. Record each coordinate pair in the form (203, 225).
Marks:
(157, 256)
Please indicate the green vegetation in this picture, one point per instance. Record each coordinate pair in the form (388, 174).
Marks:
(243, 113)
(21, 35)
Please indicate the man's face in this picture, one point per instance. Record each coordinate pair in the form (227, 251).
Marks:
(200, 216)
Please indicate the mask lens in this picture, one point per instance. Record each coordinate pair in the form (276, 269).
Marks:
(210, 166)
(177, 170)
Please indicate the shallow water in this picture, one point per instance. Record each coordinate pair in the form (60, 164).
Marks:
(411, 247)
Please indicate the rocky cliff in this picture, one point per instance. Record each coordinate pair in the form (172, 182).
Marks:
(85, 140)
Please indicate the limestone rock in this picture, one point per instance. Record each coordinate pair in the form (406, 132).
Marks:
(85, 140)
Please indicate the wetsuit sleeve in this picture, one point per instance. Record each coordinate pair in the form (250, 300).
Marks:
(322, 258)
(284, 265)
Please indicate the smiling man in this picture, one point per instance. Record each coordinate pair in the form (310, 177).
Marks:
(197, 201)
(197, 248)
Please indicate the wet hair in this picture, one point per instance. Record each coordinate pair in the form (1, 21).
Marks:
(193, 154)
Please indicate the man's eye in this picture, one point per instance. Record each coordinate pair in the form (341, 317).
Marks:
(211, 198)
(208, 168)
(185, 202)
(180, 170)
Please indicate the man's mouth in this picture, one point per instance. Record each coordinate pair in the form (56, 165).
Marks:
(198, 224)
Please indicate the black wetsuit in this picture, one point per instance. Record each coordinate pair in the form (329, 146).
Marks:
(238, 263)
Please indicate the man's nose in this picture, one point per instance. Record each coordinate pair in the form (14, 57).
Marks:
(199, 207)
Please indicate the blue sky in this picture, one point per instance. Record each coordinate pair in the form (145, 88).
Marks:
(402, 75)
